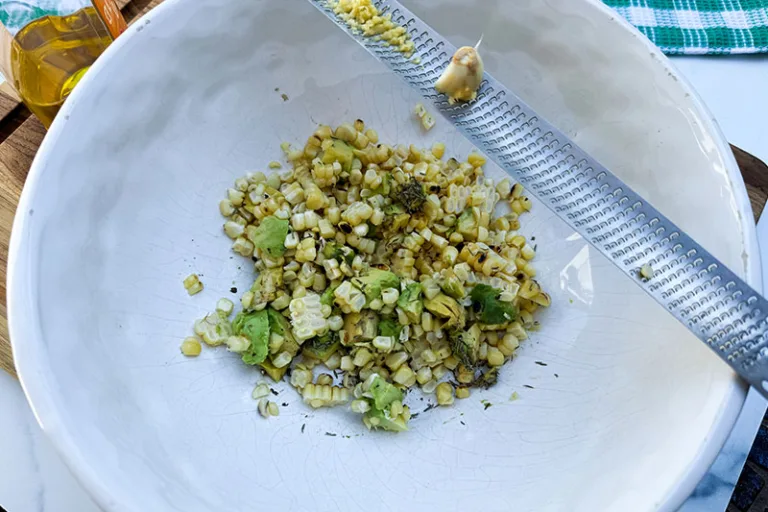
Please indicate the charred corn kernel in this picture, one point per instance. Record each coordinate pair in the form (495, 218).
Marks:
(291, 241)
(282, 360)
(363, 357)
(504, 188)
(424, 375)
(246, 300)
(333, 215)
(377, 217)
(326, 229)
(495, 357)
(449, 255)
(333, 362)
(324, 395)
(389, 296)
(396, 408)
(347, 364)
(529, 289)
(527, 252)
(360, 406)
(233, 229)
(439, 242)
(451, 362)
(516, 328)
(383, 343)
(427, 122)
(476, 160)
(237, 196)
(225, 306)
(238, 344)
(444, 393)
(439, 371)
(404, 376)
(226, 207)
(464, 374)
(192, 284)
(346, 132)
(191, 347)
(372, 136)
(263, 404)
(396, 360)
(243, 247)
(542, 299)
(430, 386)
(429, 357)
(260, 391)
(360, 230)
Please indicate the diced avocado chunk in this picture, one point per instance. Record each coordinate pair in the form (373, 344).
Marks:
(394, 209)
(358, 327)
(340, 152)
(390, 327)
(340, 253)
(386, 186)
(282, 326)
(467, 223)
(274, 373)
(443, 306)
(451, 285)
(374, 280)
(410, 302)
(321, 347)
(465, 345)
(255, 327)
(270, 236)
(384, 393)
(485, 300)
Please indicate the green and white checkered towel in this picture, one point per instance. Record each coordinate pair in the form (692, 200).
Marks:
(695, 27)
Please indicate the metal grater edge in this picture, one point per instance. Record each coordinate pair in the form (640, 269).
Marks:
(692, 285)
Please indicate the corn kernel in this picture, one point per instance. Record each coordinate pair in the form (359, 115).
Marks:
(192, 284)
(444, 392)
(191, 347)
(462, 392)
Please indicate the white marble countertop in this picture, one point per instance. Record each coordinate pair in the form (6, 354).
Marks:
(35, 479)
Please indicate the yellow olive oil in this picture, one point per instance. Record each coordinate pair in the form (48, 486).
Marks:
(51, 54)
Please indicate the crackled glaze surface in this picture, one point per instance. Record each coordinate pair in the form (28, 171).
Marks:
(627, 414)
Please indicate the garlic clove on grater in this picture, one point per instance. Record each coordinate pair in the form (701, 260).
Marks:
(461, 79)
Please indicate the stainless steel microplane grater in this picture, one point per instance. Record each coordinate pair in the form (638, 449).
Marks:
(702, 293)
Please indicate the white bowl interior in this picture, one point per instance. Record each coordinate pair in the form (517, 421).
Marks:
(122, 205)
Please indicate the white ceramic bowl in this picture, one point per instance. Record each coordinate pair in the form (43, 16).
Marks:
(121, 204)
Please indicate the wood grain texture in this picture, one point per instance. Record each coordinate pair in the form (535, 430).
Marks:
(16, 154)
(21, 134)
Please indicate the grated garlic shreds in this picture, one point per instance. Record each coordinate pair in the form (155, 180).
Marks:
(364, 16)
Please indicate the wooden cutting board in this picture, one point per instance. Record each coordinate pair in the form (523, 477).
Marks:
(21, 135)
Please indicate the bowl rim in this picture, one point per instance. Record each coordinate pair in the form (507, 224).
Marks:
(47, 412)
